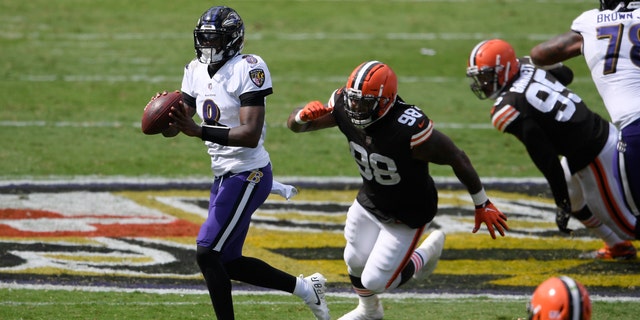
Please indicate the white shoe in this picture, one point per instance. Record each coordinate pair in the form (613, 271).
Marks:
(431, 249)
(360, 313)
(317, 303)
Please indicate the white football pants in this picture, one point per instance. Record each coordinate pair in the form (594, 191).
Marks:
(597, 187)
(377, 252)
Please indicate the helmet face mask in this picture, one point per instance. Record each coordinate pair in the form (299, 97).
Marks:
(370, 92)
(218, 35)
(361, 109)
(483, 81)
(210, 46)
(491, 67)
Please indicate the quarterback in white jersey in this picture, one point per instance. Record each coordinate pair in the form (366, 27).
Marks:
(217, 101)
(228, 90)
(609, 39)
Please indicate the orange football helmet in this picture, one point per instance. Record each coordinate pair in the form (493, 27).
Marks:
(560, 298)
(492, 64)
(370, 92)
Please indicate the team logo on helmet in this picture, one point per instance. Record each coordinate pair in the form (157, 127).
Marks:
(218, 35)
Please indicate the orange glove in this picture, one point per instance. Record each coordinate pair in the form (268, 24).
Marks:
(492, 217)
(313, 110)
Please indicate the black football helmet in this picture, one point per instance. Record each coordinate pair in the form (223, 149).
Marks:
(218, 36)
(628, 5)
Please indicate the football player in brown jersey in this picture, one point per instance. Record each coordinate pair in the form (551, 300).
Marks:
(392, 142)
(572, 146)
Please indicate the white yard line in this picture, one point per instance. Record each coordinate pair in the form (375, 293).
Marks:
(454, 298)
(118, 124)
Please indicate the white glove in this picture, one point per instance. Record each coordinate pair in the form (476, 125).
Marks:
(284, 190)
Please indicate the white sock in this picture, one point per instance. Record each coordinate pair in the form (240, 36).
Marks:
(369, 302)
(602, 231)
(606, 234)
(302, 289)
(419, 260)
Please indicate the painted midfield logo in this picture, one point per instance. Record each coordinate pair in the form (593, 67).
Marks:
(147, 238)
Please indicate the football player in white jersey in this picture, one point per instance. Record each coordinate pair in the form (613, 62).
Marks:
(609, 39)
(228, 90)
(571, 145)
(392, 143)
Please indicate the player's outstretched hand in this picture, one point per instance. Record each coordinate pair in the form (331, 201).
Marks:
(313, 110)
(492, 217)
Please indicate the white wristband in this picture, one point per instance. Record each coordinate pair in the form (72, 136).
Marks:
(479, 198)
(298, 120)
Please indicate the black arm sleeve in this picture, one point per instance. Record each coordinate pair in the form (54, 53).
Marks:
(544, 156)
(255, 98)
(563, 73)
(188, 100)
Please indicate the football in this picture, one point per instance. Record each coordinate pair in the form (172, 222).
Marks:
(155, 117)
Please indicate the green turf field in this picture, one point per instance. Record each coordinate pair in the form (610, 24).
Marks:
(21, 304)
(76, 75)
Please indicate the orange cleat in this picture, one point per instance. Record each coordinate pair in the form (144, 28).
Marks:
(621, 251)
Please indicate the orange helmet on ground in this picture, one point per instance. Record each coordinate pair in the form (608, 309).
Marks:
(492, 64)
(560, 298)
(370, 92)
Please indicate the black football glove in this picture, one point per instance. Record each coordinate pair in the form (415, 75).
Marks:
(562, 221)
(563, 73)
(563, 214)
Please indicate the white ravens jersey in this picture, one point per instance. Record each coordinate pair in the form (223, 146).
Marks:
(218, 103)
(611, 48)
